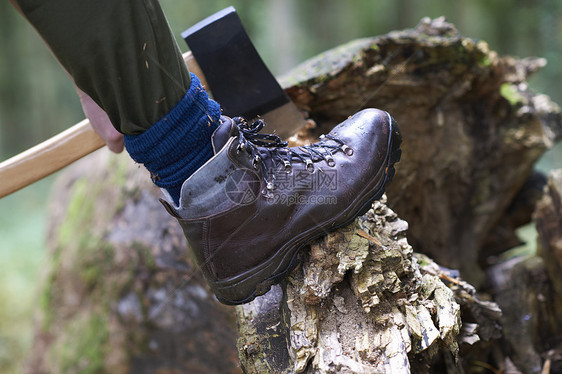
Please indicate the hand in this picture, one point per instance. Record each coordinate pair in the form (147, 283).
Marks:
(101, 123)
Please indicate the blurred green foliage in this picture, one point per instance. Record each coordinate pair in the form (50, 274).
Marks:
(22, 256)
(37, 99)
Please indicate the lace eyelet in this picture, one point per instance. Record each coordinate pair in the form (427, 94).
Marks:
(309, 166)
(348, 151)
(256, 161)
(267, 194)
(241, 147)
(331, 162)
(287, 167)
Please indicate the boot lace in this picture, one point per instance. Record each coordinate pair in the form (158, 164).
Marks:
(270, 153)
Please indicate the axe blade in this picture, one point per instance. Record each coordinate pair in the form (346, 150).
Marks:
(237, 76)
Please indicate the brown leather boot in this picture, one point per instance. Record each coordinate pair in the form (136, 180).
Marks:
(251, 207)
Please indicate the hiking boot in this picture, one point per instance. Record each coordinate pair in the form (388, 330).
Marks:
(256, 202)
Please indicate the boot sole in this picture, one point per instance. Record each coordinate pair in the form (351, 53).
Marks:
(289, 261)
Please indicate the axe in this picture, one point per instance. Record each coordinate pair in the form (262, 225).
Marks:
(224, 59)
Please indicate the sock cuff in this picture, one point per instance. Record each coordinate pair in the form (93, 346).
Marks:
(193, 119)
(177, 144)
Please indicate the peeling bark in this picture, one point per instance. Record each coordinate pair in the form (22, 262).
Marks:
(362, 302)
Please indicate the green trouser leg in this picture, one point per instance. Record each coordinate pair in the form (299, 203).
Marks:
(119, 52)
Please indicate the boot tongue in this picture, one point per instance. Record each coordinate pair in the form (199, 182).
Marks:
(223, 133)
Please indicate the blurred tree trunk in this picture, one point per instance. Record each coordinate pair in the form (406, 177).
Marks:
(284, 29)
(529, 290)
(404, 13)
(122, 296)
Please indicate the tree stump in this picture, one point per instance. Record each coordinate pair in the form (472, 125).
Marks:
(122, 295)
(472, 128)
(472, 133)
(363, 302)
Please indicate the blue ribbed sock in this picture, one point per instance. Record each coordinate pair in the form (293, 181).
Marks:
(179, 143)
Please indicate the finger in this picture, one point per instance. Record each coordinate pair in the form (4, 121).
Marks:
(115, 144)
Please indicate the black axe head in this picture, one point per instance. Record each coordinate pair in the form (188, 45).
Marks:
(238, 78)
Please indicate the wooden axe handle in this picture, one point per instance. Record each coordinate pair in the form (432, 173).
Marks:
(59, 151)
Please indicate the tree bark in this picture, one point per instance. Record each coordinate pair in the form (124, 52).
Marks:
(363, 302)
